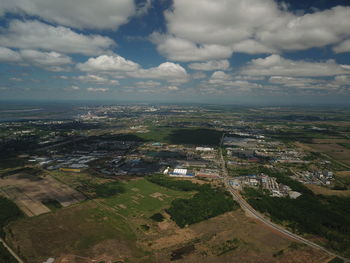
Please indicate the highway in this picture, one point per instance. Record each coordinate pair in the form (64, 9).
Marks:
(258, 216)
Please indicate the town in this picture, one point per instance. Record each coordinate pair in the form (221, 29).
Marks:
(100, 152)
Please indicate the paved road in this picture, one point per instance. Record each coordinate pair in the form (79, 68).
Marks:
(249, 209)
(11, 251)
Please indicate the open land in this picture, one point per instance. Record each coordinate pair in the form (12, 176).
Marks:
(29, 192)
(83, 183)
(334, 150)
(117, 232)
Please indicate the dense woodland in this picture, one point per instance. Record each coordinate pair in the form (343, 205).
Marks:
(5, 256)
(325, 216)
(8, 212)
(206, 203)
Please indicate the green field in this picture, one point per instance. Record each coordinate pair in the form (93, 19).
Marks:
(113, 224)
(143, 198)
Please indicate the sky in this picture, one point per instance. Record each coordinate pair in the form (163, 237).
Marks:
(203, 51)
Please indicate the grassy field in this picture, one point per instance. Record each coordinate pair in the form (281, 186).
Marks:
(342, 180)
(156, 134)
(110, 225)
(320, 190)
(120, 229)
(336, 152)
(143, 198)
(78, 230)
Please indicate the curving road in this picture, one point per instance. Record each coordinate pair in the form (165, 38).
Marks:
(247, 208)
(250, 210)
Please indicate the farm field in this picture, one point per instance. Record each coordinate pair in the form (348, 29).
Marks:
(30, 192)
(320, 190)
(333, 150)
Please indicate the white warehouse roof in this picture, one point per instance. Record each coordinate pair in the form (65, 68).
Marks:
(180, 171)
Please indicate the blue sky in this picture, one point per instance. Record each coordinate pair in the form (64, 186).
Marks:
(222, 51)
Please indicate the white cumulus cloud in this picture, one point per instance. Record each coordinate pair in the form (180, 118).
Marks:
(100, 80)
(147, 84)
(108, 63)
(8, 55)
(180, 49)
(33, 34)
(97, 89)
(52, 61)
(169, 71)
(72, 88)
(45, 58)
(342, 47)
(101, 14)
(211, 65)
(277, 65)
(200, 30)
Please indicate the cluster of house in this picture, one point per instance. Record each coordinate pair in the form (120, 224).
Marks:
(255, 148)
(264, 182)
(315, 177)
(68, 163)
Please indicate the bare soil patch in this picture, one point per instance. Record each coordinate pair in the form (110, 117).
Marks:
(30, 191)
(211, 241)
(326, 191)
(335, 151)
(344, 174)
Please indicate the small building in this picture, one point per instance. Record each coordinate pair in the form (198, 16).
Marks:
(294, 194)
(180, 171)
(235, 183)
(204, 149)
(328, 174)
(181, 175)
(207, 173)
(253, 181)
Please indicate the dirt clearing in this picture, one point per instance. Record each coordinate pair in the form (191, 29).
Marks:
(30, 191)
